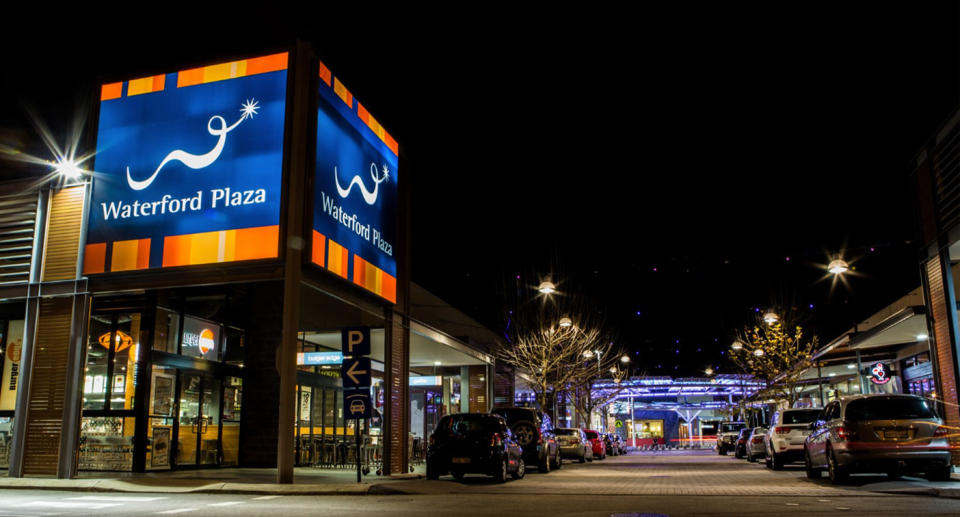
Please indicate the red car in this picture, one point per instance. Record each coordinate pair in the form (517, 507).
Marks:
(599, 448)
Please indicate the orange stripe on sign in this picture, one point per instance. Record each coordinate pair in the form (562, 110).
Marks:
(374, 279)
(318, 248)
(342, 92)
(337, 257)
(146, 85)
(222, 246)
(111, 91)
(389, 289)
(126, 255)
(94, 258)
(375, 126)
(232, 70)
(325, 73)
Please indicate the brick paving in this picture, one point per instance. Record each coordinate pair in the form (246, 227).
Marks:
(671, 473)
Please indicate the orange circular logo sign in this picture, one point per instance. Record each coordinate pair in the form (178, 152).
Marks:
(121, 342)
(206, 341)
(13, 351)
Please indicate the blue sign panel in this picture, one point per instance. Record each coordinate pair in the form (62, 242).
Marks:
(188, 167)
(357, 403)
(319, 358)
(355, 341)
(355, 372)
(355, 192)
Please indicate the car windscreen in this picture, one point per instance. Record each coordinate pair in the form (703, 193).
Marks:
(468, 425)
(731, 428)
(566, 432)
(591, 435)
(800, 417)
(515, 415)
(889, 408)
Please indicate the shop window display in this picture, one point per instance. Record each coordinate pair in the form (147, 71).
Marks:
(106, 443)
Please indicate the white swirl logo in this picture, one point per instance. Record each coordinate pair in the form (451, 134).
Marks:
(369, 196)
(199, 161)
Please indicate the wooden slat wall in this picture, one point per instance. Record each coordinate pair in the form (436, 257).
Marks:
(478, 389)
(944, 348)
(41, 450)
(397, 398)
(63, 235)
(18, 214)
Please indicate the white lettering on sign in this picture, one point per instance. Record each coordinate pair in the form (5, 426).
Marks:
(353, 223)
(219, 198)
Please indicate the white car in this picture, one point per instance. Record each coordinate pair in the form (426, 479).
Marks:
(756, 444)
(784, 439)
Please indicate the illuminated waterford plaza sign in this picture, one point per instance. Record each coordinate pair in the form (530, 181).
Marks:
(188, 167)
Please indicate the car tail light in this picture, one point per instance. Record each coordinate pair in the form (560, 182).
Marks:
(432, 441)
(495, 440)
(539, 436)
(941, 432)
(757, 439)
(781, 430)
(844, 433)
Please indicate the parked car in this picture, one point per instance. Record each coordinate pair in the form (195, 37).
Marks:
(599, 449)
(536, 439)
(727, 435)
(608, 444)
(619, 443)
(755, 446)
(785, 436)
(574, 444)
(474, 443)
(740, 447)
(894, 434)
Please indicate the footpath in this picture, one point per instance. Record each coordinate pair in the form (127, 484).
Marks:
(307, 481)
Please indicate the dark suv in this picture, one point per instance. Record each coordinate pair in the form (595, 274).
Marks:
(474, 443)
(894, 434)
(534, 435)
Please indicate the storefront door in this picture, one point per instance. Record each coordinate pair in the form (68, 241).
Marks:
(198, 429)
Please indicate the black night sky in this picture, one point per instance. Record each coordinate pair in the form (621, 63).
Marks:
(681, 166)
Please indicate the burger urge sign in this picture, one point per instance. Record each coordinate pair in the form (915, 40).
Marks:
(200, 339)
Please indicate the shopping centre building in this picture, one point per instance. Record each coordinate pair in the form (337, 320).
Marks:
(181, 307)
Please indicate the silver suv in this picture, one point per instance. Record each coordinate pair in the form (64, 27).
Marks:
(895, 434)
(784, 438)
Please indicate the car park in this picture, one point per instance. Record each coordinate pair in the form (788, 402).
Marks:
(474, 443)
(755, 446)
(740, 447)
(884, 433)
(574, 444)
(727, 435)
(785, 436)
(536, 439)
(599, 449)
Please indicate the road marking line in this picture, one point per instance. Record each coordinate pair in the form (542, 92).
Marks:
(71, 505)
(229, 503)
(117, 499)
(265, 497)
(179, 510)
(823, 500)
(793, 504)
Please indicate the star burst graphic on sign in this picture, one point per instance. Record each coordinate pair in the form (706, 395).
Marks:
(249, 108)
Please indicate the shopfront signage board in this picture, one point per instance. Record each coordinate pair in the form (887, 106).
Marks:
(188, 167)
(355, 194)
(355, 372)
(357, 403)
(355, 341)
(426, 380)
(879, 373)
(200, 339)
(319, 358)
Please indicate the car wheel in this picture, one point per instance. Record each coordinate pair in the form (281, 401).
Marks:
(525, 433)
(722, 451)
(776, 462)
(583, 458)
(500, 476)
(837, 473)
(544, 466)
(521, 470)
(457, 474)
(812, 473)
(558, 463)
(768, 462)
(751, 458)
(939, 474)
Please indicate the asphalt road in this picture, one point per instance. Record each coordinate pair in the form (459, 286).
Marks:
(667, 484)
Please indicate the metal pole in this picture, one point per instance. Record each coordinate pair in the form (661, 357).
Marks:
(356, 431)
(633, 431)
(820, 383)
(859, 372)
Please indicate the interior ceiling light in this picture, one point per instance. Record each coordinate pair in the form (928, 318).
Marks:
(838, 266)
(547, 288)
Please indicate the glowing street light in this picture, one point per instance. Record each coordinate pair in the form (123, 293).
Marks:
(547, 287)
(771, 317)
(67, 168)
(737, 345)
(708, 371)
(566, 322)
(624, 358)
(838, 266)
(758, 352)
(922, 337)
(588, 354)
(613, 369)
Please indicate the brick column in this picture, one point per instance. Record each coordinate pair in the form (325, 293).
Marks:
(943, 322)
(261, 379)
